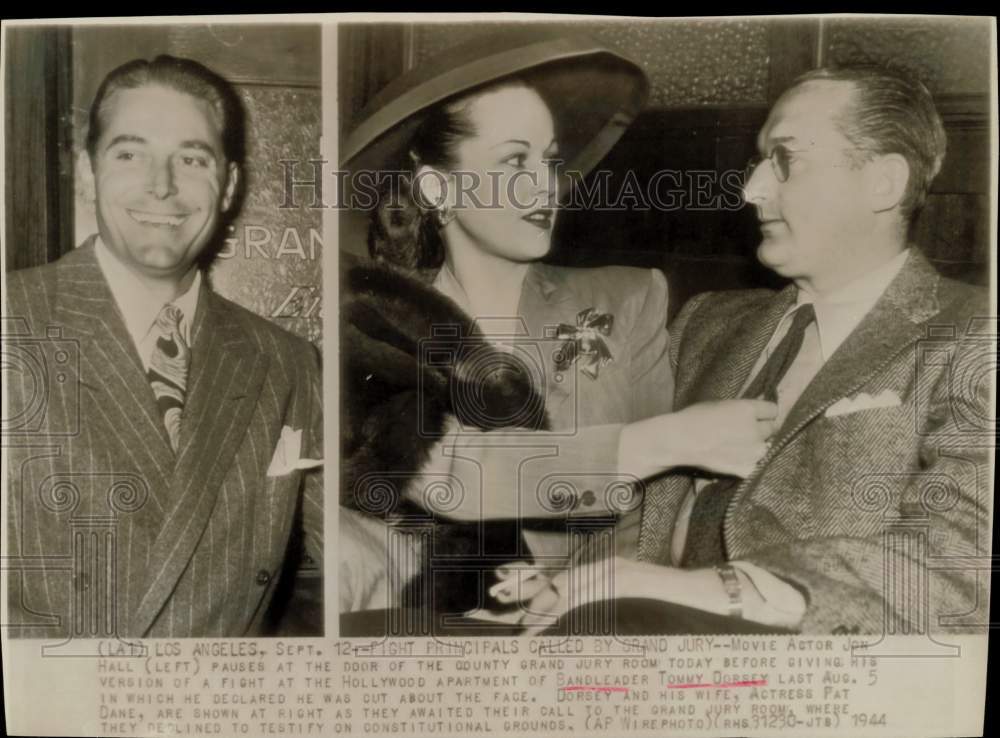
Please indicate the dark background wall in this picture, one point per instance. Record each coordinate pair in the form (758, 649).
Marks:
(712, 83)
(270, 256)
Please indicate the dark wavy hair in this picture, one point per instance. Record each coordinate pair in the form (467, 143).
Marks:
(404, 230)
(891, 113)
(182, 75)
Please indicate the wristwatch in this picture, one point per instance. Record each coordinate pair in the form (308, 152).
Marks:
(734, 590)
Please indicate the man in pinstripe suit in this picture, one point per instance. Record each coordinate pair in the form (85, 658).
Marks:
(167, 447)
(870, 511)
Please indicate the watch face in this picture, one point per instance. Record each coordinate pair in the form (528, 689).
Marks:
(734, 591)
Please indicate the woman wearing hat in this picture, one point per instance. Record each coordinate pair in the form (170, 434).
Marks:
(480, 383)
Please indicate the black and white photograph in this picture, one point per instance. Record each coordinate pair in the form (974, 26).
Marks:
(162, 333)
(510, 374)
(666, 327)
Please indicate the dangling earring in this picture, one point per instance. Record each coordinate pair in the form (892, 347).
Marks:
(444, 215)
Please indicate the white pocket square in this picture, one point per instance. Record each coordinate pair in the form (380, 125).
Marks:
(863, 401)
(286, 457)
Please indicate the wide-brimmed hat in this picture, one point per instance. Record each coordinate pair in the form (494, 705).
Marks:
(594, 94)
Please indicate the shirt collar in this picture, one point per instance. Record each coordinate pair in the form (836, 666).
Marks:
(839, 313)
(138, 310)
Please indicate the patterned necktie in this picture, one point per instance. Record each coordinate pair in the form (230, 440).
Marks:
(705, 545)
(168, 370)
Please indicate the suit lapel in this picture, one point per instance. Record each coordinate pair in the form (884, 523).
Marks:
(119, 418)
(226, 378)
(722, 378)
(893, 323)
(732, 360)
(544, 303)
(110, 367)
(543, 298)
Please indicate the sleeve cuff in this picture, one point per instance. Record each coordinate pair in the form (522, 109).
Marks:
(779, 597)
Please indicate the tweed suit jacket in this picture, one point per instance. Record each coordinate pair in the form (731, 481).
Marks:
(876, 515)
(110, 532)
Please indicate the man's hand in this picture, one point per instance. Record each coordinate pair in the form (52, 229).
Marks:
(766, 599)
(724, 437)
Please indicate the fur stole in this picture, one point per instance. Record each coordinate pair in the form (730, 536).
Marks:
(409, 359)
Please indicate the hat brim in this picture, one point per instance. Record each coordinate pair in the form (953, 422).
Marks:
(594, 95)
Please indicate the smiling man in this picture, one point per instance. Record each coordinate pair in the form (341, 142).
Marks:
(870, 511)
(189, 426)
(162, 181)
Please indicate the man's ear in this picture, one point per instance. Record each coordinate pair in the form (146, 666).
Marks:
(85, 176)
(890, 174)
(231, 187)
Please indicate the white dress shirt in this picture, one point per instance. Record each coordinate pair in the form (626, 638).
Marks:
(139, 310)
(837, 315)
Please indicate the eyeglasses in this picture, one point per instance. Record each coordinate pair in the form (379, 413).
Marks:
(781, 160)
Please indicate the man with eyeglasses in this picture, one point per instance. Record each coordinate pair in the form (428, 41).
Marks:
(877, 476)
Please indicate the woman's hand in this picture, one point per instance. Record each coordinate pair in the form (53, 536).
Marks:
(724, 437)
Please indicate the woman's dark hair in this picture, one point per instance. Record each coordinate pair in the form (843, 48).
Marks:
(404, 230)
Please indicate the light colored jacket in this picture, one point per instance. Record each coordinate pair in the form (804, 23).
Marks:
(527, 475)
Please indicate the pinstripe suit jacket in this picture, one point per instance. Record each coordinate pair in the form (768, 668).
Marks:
(841, 500)
(110, 532)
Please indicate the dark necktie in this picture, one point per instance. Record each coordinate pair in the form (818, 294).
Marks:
(704, 545)
(168, 369)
